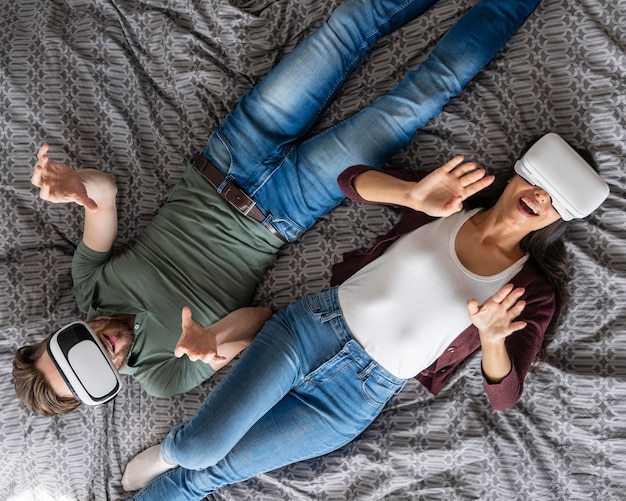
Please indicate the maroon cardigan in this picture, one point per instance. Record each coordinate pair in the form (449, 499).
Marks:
(522, 346)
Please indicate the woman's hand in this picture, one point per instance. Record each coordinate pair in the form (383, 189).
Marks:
(442, 192)
(439, 194)
(495, 320)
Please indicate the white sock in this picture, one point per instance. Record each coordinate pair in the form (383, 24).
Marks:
(144, 467)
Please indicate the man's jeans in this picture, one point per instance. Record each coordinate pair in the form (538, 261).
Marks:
(302, 389)
(260, 143)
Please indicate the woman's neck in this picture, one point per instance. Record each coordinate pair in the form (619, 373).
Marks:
(492, 229)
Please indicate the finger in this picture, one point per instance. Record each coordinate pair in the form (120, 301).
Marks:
(518, 326)
(187, 320)
(450, 165)
(213, 358)
(467, 169)
(478, 185)
(513, 297)
(180, 350)
(89, 204)
(517, 309)
(36, 177)
(502, 294)
(42, 151)
(85, 201)
(471, 176)
(472, 307)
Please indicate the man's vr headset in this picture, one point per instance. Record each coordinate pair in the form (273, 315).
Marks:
(84, 364)
(575, 188)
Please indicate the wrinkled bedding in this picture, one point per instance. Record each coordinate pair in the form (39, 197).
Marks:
(135, 87)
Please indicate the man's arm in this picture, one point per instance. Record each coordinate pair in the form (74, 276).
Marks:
(90, 188)
(438, 194)
(218, 343)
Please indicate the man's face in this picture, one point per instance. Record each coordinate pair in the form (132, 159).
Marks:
(115, 334)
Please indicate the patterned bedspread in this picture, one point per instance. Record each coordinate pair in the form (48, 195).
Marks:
(134, 87)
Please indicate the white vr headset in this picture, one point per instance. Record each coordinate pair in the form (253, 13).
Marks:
(552, 164)
(84, 364)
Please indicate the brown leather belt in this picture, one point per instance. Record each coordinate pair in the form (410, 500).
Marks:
(232, 193)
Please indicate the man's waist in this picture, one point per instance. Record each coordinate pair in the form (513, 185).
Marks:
(231, 192)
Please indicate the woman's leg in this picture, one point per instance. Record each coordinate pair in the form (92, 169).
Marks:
(327, 410)
(378, 131)
(289, 100)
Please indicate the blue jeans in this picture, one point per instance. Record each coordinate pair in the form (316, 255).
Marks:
(302, 389)
(293, 181)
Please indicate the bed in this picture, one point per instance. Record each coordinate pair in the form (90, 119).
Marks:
(135, 87)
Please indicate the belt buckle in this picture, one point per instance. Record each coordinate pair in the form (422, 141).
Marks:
(236, 196)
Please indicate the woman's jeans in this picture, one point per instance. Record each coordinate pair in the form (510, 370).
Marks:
(260, 145)
(302, 389)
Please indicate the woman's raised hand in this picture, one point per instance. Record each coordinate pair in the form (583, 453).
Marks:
(496, 318)
(442, 192)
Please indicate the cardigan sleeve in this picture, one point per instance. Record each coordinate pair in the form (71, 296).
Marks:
(522, 346)
(345, 180)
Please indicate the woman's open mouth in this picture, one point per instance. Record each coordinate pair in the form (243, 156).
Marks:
(528, 206)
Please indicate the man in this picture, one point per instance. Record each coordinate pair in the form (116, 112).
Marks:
(207, 247)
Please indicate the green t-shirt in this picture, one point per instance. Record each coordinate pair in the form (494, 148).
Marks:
(199, 252)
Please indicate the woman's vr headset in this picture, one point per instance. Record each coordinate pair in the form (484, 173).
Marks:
(575, 188)
(84, 364)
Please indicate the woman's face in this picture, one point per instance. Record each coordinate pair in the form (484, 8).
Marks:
(527, 207)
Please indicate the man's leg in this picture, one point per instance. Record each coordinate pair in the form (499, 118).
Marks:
(377, 132)
(279, 110)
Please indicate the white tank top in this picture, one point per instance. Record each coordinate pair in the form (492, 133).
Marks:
(407, 306)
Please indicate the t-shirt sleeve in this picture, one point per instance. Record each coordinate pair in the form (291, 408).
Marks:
(86, 265)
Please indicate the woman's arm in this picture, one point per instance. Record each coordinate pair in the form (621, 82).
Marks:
(495, 320)
(94, 190)
(440, 193)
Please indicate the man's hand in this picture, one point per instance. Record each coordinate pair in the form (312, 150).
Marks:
(442, 192)
(96, 191)
(59, 183)
(197, 342)
(218, 343)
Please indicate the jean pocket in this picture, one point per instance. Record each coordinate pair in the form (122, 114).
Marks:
(375, 391)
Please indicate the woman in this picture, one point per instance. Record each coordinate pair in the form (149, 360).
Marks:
(322, 369)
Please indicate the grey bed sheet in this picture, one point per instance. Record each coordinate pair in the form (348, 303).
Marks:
(135, 87)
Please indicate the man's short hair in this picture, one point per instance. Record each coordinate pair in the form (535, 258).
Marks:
(31, 386)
